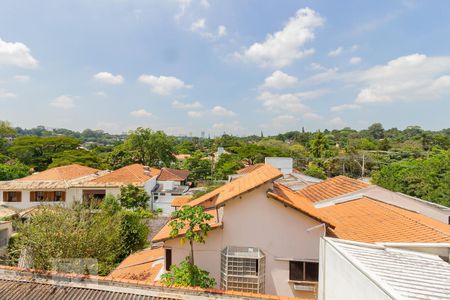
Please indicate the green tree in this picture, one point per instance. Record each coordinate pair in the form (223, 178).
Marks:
(133, 197)
(38, 152)
(193, 221)
(376, 131)
(13, 171)
(315, 171)
(226, 165)
(151, 148)
(200, 168)
(319, 145)
(187, 274)
(78, 156)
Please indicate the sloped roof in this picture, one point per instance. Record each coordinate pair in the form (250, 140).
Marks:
(68, 172)
(368, 220)
(168, 174)
(289, 197)
(164, 233)
(143, 266)
(249, 168)
(332, 187)
(402, 274)
(131, 174)
(237, 187)
(180, 201)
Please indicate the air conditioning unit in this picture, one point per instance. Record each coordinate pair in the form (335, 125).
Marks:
(305, 287)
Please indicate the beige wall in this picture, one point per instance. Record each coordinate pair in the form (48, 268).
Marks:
(257, 221)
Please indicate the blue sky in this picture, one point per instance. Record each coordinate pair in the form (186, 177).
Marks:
(186, 66)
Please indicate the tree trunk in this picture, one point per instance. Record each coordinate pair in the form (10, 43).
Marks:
(191, 254)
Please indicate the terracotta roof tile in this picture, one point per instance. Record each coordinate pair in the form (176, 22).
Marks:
(61, 173)
(333, 187)
(368, 220)
(164, 233)
(180, 201)
(300, 203)
(250, 168)
(132, 174)
(173, 175)
(238, 187)
(143, 266)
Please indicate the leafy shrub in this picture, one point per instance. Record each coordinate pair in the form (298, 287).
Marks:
(187, 274)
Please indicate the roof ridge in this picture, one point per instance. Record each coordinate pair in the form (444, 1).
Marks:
(388, 206)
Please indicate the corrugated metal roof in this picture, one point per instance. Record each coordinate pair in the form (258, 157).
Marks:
(407, 274)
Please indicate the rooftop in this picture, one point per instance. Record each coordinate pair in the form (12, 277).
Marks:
(237, 187)
(173, 175)
(400, 273)
(61, 173)
(332, 187)
(249, 168)
(180, 201)
(132, 174)
(368, 220)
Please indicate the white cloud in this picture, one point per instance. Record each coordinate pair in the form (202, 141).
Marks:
(163, 85)
(63, 102)
(106, 126)
(109, 78)
(283, 119)
(221, 31)
(407, 78)
(354, 48)
(198, 25)
(22, 78)
(280, 80)
(355, 60)
(312, 116)
(291, 102)
(16, 54)
(141, 113)
(336, 52)
(181, 105)
(6, 94)
(230, 127)
(222, 111)
(343, 107)
(195, 114)
(336, 122)
(287, 45)
(100, 94)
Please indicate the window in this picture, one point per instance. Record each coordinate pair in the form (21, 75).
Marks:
(12, 196)
(303, 271)
(41, 196)
(168, 259)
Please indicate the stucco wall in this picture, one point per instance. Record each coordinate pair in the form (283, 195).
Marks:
(257, 221)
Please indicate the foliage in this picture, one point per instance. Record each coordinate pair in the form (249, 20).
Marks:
(13, 171)
(208, 189)
(60, 233)
(82, 157)
(319, 145)
(192, 220)
(226, 165)
(187, 274)
(151, 148)
(133, 197)
(315, 171)
(200, 168)
(427, 178)
(38, 152)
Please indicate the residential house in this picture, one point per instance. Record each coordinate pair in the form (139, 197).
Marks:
(265, 237)
(352, 271)
(170, 183)
(58, 185)
(5, 233)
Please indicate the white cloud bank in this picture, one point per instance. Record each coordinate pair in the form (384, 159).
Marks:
(16, 54)
(280, 80)
(163, 85)
(6, 94)
(181, 105)
(141, 113)
(336, 52)
(287, 45)
(222, 111)
(63, 102)
(109, 78)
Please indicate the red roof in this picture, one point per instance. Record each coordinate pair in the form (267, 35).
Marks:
(250, 168)
(173, 175)
(332, 187)
(61, 173)
(131, 174)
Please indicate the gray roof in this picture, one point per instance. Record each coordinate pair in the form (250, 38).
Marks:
(403, 274)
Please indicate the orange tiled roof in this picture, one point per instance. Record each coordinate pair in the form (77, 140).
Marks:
(61, 173)
(289, 197)
(180, 201)
(132, 174)
(237, 187)
(332, 187)
(164, 233)
(143, 266)
(249, 168)
(173, 174)
(368, 220)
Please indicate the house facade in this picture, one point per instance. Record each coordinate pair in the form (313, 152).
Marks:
(265, 237)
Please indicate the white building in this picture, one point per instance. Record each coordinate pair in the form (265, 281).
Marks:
(170, 183)
(351, 270)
